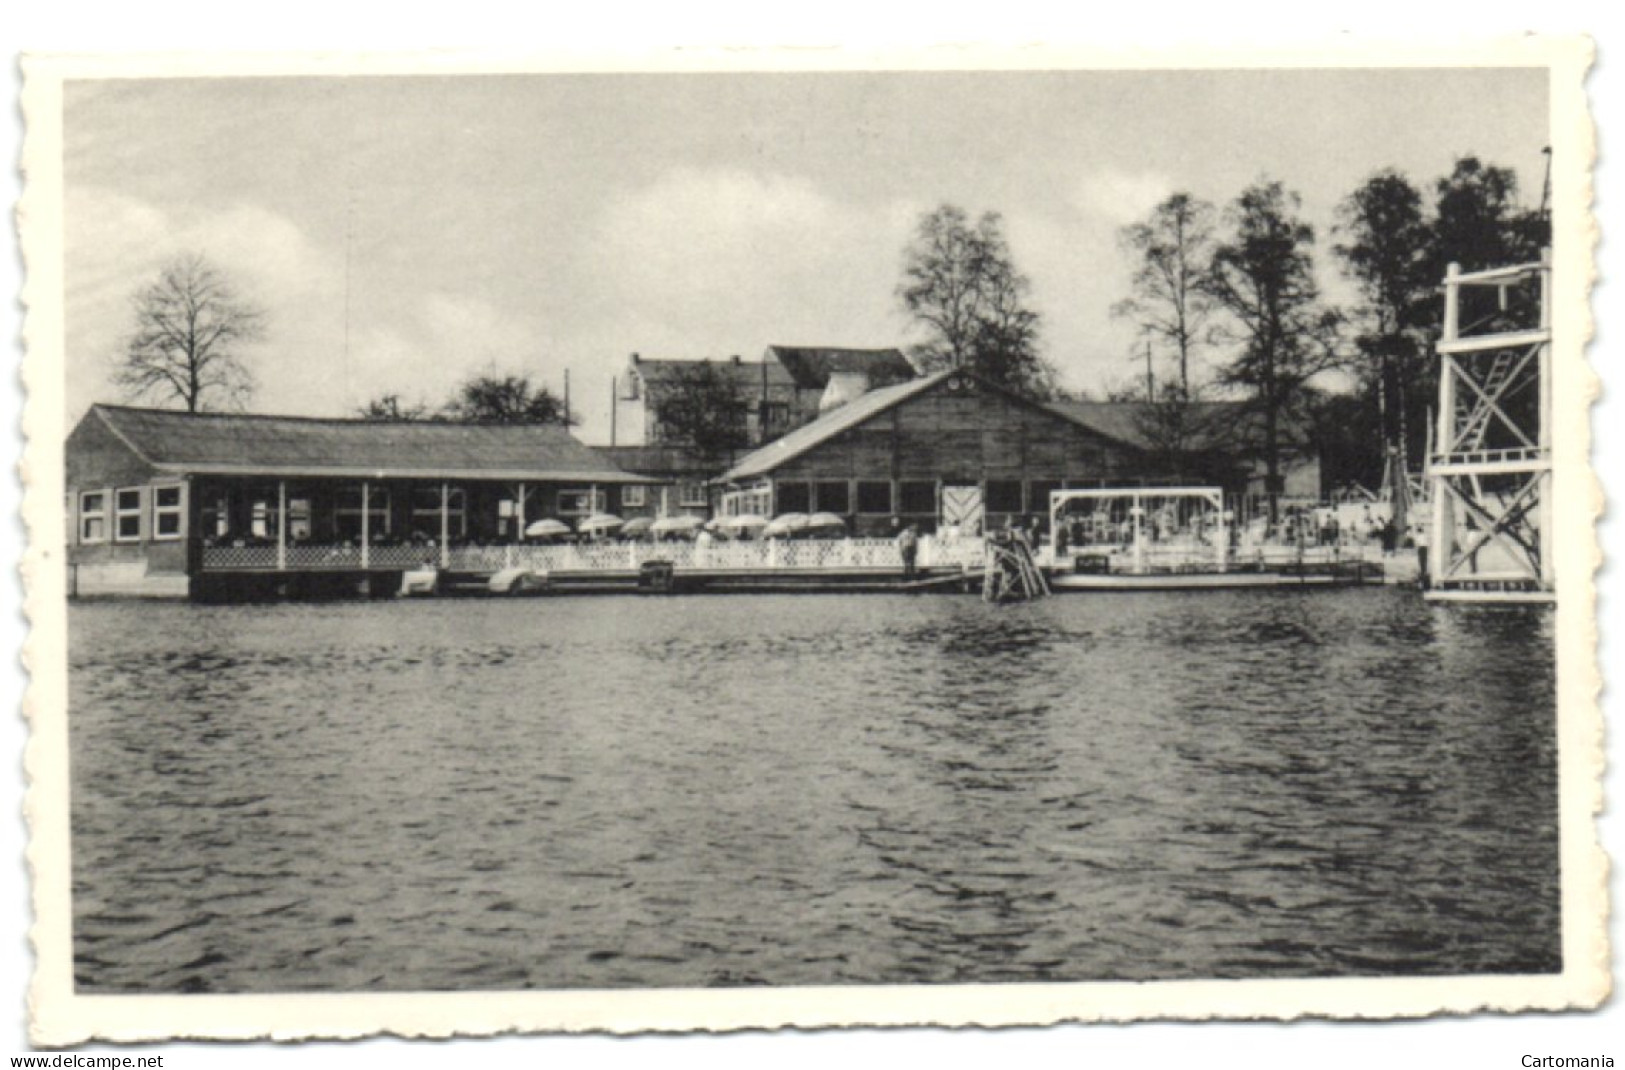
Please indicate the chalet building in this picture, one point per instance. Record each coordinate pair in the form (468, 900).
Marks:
(163, 502)
(945, 449)
(1217, 440)
(788, 387)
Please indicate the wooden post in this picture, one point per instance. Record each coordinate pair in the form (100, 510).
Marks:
(366, 524)
(281, 525)
(445, 525)
(1442, 537)
(1137, 513)
(1548, 476)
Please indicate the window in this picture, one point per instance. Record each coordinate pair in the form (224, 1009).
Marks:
(775, 419)
(93, 516)
(426, 511)
(582, 502)
(299, 519)
(1038, 492)
(1004, 495)
(755, 502)
(166, 512)
(692, 496)
(917, 496)
(634, 497)
(263, 520)
(347, 514)
(833, 497)
(874, 497)
(795, 498)
(127, 515)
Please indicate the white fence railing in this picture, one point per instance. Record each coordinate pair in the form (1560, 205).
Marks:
(754, 555)
(764, 555)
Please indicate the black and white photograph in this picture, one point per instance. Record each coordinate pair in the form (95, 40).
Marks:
(689, 545)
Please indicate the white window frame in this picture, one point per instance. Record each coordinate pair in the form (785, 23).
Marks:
(121, 511)
(86, 513)
(159, 512)
(692, 496)
(378, 506)
(569, 502)
(456, 510)
(635, 496)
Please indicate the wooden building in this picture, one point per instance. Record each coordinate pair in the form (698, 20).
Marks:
(945, 449)
(1209, 442)
(166, 503)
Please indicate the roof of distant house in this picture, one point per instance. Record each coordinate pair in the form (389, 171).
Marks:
(662, 462)
(747, 374)
(811, 366)
(236, 443)
(1211, 424)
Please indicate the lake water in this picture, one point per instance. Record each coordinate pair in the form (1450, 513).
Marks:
(720, 790)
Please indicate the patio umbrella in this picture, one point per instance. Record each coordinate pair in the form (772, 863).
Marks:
(546, 528)
(739, 525)
(787, 524)
(825, 523)
(672, 524)
(599, 522)
(638, 525)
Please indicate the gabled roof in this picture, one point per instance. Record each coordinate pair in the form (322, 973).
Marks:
(232, 443)
(811, 366)
(827, 426)
(749, 374)
(848, 416)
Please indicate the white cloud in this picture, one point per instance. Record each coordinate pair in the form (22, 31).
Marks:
(115, 244)
(1120, 197)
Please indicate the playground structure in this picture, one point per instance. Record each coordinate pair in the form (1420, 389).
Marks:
(1490, 472)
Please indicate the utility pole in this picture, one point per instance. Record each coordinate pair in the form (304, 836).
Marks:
(613, 405)
(1150, 377)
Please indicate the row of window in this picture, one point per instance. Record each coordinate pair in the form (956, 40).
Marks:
(121, 513)
(913, 497)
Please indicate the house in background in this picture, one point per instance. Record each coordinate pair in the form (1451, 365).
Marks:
(945, 449)
(785, 389)
(171, 503)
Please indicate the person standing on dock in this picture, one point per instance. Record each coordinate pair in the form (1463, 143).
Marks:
(908, 548)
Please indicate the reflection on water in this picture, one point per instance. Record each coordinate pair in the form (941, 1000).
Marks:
(602, 792)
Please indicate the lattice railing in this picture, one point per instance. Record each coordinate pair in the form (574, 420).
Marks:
(757, 555)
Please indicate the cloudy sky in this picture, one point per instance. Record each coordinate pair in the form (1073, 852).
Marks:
(402, 233)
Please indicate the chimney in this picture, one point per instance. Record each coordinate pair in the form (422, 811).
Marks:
(636, 359)
(735, 358)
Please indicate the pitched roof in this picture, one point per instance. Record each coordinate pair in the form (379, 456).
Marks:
(660, 462)
(832, 423)
(232, 443)
(747, 373)
(1211, 424)
(827, 426)
(811, 366)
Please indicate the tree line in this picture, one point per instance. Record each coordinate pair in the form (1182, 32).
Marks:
(1232, 289)
(1226, 302)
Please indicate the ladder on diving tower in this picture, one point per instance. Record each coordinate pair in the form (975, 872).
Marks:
(1491, 469)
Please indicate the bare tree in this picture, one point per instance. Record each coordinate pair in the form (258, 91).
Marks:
(389, 408)
(961, 283)
(190, 332)
(1173, 248)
